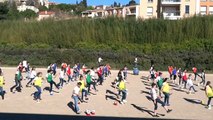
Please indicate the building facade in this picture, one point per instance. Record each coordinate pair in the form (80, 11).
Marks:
(166, 9)
(106, 11)
(206, 7)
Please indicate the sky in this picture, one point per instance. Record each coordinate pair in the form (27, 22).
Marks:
(95, 2)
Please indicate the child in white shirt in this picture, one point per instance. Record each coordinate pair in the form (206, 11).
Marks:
(190, 84)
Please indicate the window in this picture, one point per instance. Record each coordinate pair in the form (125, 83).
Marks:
(211, 10)
(203, 10)
(149, 11)
(150, 1)
(187, 9)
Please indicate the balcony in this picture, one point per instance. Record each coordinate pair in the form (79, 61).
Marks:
(171, 15)
(171, 2)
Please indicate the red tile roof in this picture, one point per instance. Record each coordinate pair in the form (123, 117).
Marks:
(46, 12)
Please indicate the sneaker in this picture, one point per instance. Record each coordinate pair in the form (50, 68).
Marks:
(124, 101)
(198, 84)
(79, 112)
(51, 93)
(209, 107)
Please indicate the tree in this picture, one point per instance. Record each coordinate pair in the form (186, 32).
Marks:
(3, 10)
(13, 13)
(132, 2)
(28, 14)
(115, 4)
(42, 8)
(85, 3)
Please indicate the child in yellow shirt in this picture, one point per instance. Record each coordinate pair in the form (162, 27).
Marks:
(38, 84)
(166, 91)
(2, 92)
(209, 93)
(122, 89)
(83, 90)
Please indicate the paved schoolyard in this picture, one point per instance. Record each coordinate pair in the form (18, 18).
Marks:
(185, 106)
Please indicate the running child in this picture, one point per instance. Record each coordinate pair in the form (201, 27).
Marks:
(61, 77)
(49, 77)
(54, 69)
(76, 96)
(90, 81)
(166, 91)
(69, 75)
(156, 99)
(190, 84)
(159, 82)
(2, 82)
(108, 69)
(83, 90)
(194, 69)
(38, 83)
(209, 93)
(184, 78)
(179, 73)
(32, 76)
(122, 89)
(170, 69)
(84, 69)
(100, 75)
(174, 74)
(203, 78)
(18, 78)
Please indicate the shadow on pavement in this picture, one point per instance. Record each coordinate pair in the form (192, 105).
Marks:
(111, 97)
(110, 92)
(146, 92)
(177, 89)
(194, 101)
(20, 116)
(147, 84)
(144, 78)
(71, 106)
(143, 109)
(149, 98)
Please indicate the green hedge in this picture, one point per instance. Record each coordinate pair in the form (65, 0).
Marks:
(183, 43)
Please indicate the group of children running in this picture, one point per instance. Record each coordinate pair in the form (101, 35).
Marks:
(185, 81)
(88, 79)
